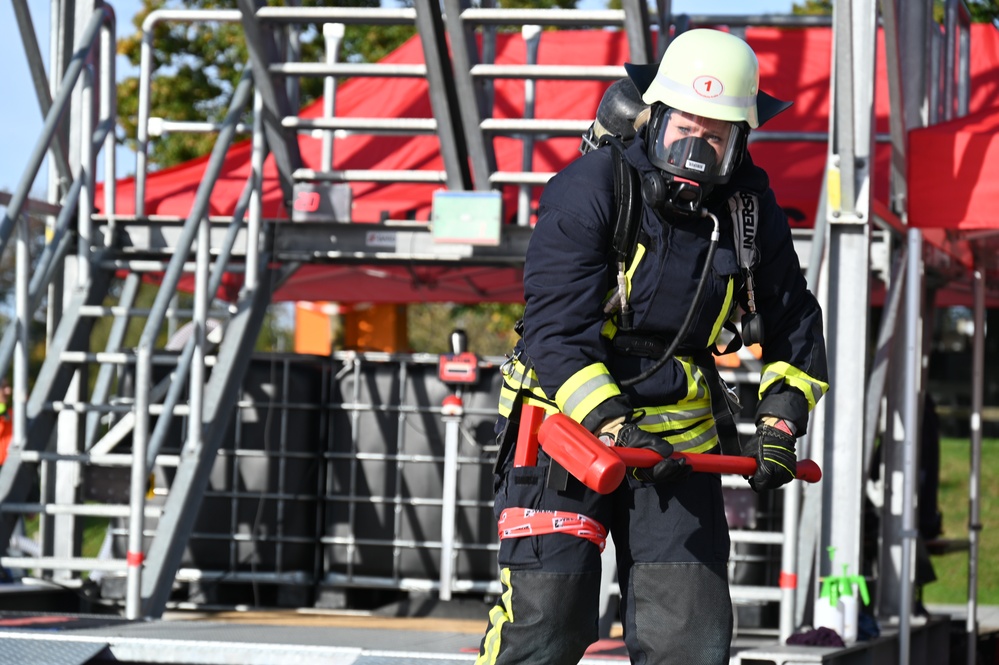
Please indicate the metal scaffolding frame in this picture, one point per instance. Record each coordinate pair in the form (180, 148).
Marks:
(59, 426)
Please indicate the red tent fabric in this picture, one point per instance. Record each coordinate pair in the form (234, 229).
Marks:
(954, 166)
(954, 173)
(794, 64)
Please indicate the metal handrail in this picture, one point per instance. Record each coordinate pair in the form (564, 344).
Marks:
(143, 368)
(28, 289)
(298, 15)
(103, 20)
(36, 65)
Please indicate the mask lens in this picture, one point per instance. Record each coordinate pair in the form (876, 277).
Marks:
(691, 154)
(690, 146)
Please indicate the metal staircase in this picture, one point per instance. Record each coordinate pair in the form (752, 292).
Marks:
(72, 426)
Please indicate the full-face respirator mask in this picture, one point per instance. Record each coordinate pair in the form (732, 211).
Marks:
(691, 154)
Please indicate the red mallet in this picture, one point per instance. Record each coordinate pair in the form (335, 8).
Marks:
(601, 467)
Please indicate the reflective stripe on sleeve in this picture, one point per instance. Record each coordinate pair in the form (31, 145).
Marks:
(520, 381)
(585, 390)
(812, 388)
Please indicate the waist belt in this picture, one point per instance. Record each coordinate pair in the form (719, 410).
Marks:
(653, 346)
(636, 344)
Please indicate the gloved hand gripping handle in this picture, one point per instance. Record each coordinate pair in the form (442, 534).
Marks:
(602, 468)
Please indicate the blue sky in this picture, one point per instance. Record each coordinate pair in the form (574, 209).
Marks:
(21, 120)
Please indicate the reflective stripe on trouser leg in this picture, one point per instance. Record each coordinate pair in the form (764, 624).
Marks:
(542, 619)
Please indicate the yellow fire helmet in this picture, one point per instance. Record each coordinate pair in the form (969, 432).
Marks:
(709, 73)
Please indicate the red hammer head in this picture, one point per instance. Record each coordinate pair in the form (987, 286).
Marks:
(583, 455)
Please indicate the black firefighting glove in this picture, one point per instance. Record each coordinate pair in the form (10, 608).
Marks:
(669, 470)
(773, 447)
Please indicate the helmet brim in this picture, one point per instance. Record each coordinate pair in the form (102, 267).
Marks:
(767, 106)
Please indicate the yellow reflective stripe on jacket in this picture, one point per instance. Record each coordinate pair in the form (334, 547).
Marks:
(499, 615)
(630, 272)
(660, 419)
(688, 435)
(813, 389)
(726, 310)
(609, 328)
(518, 381)
(697, 385)
(688, 425)
(585, 390)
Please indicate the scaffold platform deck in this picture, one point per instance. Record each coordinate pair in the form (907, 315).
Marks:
(265, 638)
(330, 637)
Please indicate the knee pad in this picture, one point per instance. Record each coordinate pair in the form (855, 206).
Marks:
(679, 612)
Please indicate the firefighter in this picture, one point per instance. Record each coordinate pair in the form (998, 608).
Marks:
(621, 379)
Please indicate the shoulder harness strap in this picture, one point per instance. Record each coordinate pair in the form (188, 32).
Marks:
(745, 209)
(627, 223)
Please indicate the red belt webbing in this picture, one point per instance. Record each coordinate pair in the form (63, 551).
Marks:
(521, 522)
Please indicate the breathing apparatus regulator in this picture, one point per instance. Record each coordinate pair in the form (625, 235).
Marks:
(705, 98)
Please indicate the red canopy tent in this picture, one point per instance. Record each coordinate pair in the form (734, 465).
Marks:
(953, 169)
(954, 173)
(794, 64)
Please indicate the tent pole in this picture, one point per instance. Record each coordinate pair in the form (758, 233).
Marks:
(910, 425)
(974, 481)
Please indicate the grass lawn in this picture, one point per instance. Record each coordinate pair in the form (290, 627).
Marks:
(952, 569)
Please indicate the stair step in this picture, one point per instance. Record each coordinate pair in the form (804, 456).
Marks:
(380, 126)
(97, 310)
(81, 510)
(85, 407)
(106, 460)
(351, 175)
(64, 563)
(941, 546)
(757, 537)
(122, 358)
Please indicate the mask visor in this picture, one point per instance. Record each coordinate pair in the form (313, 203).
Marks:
(700, 149)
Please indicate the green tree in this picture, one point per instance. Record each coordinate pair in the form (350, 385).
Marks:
(489, 327)
(812, 7)
(982, 11)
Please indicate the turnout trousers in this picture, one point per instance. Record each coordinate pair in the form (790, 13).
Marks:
(672, 547)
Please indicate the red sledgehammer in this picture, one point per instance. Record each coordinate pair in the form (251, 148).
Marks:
(601, 467)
